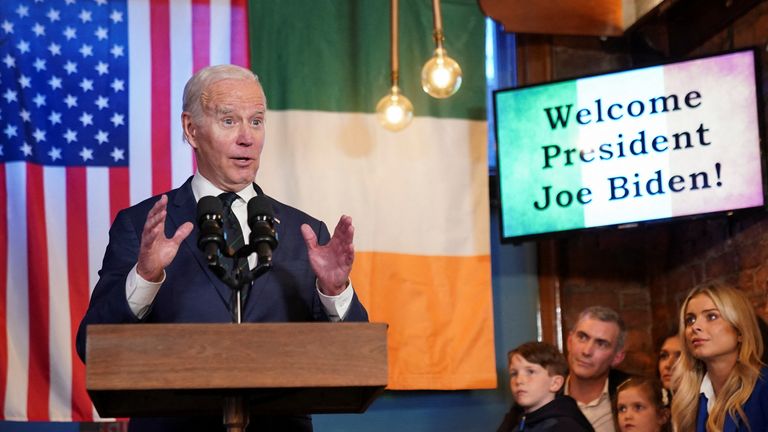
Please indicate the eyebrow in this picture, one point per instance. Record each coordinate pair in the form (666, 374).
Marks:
(583, 333)
(228, 110)
(703, 311)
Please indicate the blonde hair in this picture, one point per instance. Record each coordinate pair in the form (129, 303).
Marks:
(735, 309)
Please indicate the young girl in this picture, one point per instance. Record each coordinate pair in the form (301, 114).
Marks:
(722, 384)
(639, 406)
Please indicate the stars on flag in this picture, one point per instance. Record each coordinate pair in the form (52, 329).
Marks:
(64, 70)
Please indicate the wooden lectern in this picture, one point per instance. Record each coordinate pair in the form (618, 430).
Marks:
(236, 369)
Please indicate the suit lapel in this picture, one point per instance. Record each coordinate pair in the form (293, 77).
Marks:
(183, 208)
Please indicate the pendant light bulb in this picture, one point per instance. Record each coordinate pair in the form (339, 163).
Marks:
(394, 110)
(441, 75)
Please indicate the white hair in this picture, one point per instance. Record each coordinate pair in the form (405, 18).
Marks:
(193, 90)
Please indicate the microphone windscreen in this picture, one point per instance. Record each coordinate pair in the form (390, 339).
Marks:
(209, 205)
(259, 206)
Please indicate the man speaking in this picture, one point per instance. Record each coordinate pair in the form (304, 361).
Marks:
(154, 272)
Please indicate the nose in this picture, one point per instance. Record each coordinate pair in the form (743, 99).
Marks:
(696, 327)
(588, 350)
(246, 135)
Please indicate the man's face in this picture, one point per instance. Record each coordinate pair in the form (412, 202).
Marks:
(229, 136)
(592, 349)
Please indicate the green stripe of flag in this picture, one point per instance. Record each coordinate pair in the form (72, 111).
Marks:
(334, 55)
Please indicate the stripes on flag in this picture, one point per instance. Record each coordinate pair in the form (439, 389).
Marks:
(62, 181)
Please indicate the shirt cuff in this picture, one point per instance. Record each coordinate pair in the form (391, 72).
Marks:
(140, 292)
(337, 306)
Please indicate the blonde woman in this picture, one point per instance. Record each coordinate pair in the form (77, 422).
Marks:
(722, 383)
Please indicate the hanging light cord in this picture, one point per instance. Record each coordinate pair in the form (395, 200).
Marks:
(394, 31)
(438, 19)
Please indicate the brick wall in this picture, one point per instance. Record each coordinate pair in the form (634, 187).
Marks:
(645, 273)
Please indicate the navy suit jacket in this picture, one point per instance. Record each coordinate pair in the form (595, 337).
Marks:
(191, 292)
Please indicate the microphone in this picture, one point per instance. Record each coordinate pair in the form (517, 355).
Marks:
(209, 220)
(261, 220)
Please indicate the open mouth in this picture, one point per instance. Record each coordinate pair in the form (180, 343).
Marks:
(242, 161)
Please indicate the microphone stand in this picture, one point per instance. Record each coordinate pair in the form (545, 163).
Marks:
(234, 407)
(240, 280)
(236, 279)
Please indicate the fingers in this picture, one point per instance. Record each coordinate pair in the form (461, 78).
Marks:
(155, 219)
(155, 250)
(182, 233)
(158, 208)
(309, 236)
(344, 227)
(344, 230)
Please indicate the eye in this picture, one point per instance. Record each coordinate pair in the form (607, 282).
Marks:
(257, 122)
(228, 121)
(664, 355)
(622, 408)
(689, 320)
(512, 374)
(602, 344)
(581, 337)
(639, 407)
(712, 316)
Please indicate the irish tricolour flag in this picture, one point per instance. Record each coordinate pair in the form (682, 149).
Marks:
(418, 198)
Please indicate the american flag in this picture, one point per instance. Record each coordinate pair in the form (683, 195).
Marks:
(90, 107)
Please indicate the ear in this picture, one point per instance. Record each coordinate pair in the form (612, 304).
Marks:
(189, 128)
(618, 358)
(556, 383)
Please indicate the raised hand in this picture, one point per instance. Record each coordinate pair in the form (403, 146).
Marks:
(157, 251)
(332, 262)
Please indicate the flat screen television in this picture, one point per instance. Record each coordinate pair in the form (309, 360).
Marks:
(618, 149)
